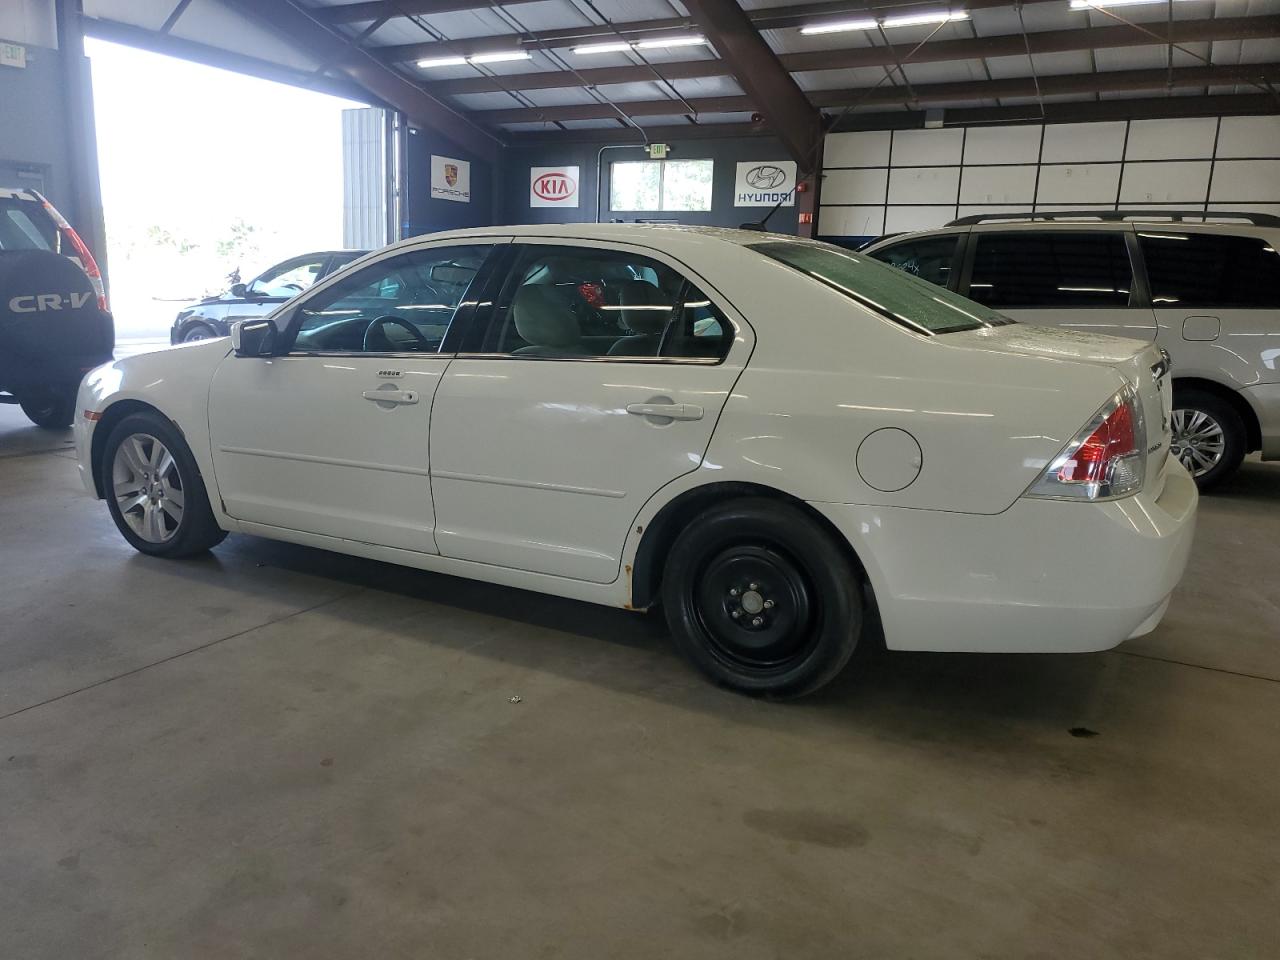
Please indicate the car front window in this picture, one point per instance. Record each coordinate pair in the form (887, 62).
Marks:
(906, 299)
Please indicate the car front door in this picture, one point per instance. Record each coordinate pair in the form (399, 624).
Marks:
(593, 378)
(1079, 279)
(330, 436)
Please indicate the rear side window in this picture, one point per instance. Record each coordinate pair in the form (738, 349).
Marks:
(1051, 270)
(575, 302)
(929, 259)
(1203, 270)
(891, 293)
(24, 226)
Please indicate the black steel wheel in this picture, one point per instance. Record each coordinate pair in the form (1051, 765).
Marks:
(762, 599)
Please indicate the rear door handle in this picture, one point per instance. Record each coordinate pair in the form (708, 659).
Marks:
(669, 411)
(391, 396)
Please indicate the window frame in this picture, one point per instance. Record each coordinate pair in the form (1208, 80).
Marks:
(1139, 295)
(289, 320)
(502, 275)
(662, 184)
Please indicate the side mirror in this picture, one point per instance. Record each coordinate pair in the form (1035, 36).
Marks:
(253, 338)
(239, 290)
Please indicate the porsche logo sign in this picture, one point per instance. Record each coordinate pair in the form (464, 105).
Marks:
(450, 179)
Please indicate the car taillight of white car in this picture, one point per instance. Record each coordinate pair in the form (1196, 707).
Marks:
(1105, 460)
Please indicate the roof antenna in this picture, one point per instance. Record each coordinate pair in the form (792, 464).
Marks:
(762, 224)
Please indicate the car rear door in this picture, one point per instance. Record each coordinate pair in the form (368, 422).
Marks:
(593, 378)
(1075, 276)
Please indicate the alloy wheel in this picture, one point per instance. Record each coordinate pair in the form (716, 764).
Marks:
(147, 487)
(1198, 440)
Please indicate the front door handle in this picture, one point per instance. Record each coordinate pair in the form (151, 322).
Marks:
(667, 411)
(391, 396)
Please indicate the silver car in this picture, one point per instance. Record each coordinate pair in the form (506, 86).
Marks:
(1205, 286)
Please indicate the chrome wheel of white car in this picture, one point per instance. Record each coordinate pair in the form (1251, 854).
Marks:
(1198, 441)
(148, 488)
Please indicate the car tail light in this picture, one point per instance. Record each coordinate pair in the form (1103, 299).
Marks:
(82, 254)
(1104, 460)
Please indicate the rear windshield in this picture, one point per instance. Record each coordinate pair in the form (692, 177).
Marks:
(24, 226)
(913, 302)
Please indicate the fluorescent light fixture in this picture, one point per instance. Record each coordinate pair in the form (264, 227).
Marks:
(501, 56)
(838, 26)
(924, 19)
(620, 46)
(443, 62)
(1086, 4)
(671, 42)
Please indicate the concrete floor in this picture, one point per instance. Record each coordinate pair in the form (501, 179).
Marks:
(278, 752)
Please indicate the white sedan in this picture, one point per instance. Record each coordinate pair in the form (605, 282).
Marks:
(771, 438)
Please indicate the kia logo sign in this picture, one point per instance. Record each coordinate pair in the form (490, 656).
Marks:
(554, 186)
(766, 177)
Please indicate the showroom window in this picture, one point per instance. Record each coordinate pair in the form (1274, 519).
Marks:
(929, 259)
(403, 304)
(660, 185)
(1051, 270)
(1202, 270)
(567, 302)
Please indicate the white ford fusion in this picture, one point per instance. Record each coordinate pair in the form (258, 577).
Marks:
(770, 437)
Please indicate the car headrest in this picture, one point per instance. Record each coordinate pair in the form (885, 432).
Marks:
(644, 309)
(542, 317)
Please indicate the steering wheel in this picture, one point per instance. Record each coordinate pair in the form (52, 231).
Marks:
(391, 319)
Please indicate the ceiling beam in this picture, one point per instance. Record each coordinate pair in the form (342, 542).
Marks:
(768, 18)
(937, 51)
(295, 26)
(378, 9)
(1156, 108)
(1120, 81)
(775, 93)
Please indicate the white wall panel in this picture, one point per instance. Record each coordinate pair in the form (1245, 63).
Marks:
(936, 175)
(919, 148)
(899, 219)
(1179, 181)
(851, 221)
(862, 149)
(1079, 183)
(974, 210)
(1240, 180)
(923, 185)
(1003, 144)
(998, 185)
(1249, 137)
(1083, 142)
(1171, 139)
(855, 186)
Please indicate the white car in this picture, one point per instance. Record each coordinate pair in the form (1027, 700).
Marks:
(772, 438)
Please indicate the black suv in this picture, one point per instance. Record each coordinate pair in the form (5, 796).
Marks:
(213, 316)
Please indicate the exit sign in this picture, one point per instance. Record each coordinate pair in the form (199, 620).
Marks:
(657, 151)
(12, 55)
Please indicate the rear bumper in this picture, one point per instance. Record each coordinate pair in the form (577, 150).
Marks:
(1265, 400)
(1045, 576)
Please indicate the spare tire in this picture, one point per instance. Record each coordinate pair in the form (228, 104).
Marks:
(51, 331)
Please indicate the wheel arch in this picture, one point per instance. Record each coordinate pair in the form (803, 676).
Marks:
(1248, 416)
(661, 532)
(110, 417)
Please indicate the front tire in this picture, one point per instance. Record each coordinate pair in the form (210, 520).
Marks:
(1207, 436)
(762, 599)
(50, 409)
(154, 490)
(198, 331)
